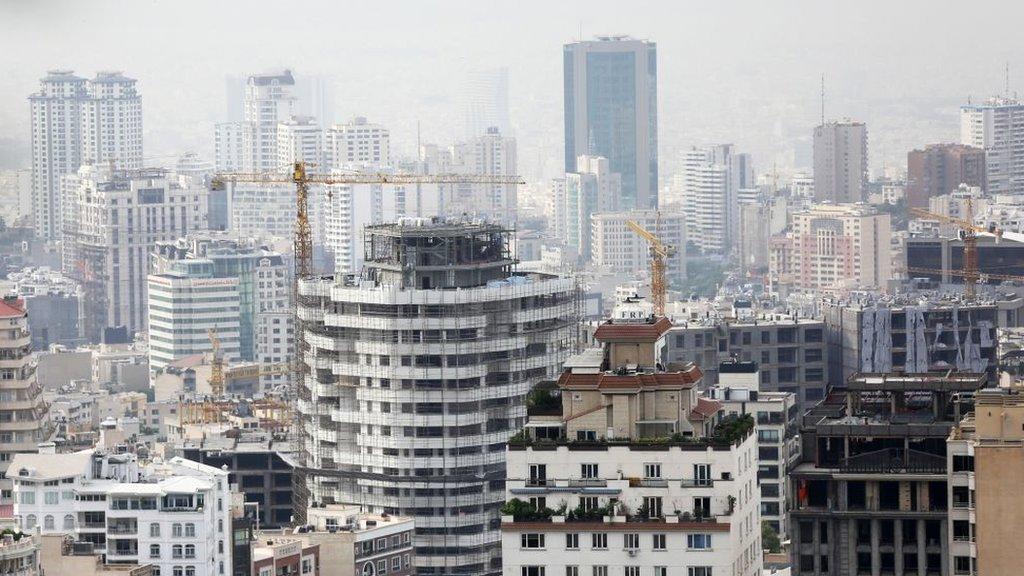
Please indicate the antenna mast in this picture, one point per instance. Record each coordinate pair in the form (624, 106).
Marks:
(822, 99)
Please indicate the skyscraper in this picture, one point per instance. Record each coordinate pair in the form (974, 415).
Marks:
(269, 100)
(712, 181)
(997, 126)
(299, 138)
(593, 188)
(77, 121)
(358, 142)
(485, 102)
(940, 169)
(611, 110)
(420, 368)
(840, 162)
(490, 153)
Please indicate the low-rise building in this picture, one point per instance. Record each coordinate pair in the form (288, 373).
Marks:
(352, 542)
(284, 555)
(19, 555)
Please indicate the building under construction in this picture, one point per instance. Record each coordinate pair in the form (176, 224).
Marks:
(416, 375)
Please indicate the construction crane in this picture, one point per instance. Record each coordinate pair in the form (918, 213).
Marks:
(303, 243)
(216, 365)
(969, 232)
(660, 252)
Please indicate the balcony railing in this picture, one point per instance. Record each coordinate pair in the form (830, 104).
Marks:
(894, 461)
(588, 482)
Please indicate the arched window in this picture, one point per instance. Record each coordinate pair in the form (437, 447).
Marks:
(178, 571)
(190, 530)
(30, 521)
(48, 522)
(154, 550)
(176, 551)
(369, 569)
(176, 530)
(190, 550)
(154, 530)
(190, 571)
(69, 522)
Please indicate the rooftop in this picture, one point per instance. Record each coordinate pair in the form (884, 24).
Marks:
(646, 331)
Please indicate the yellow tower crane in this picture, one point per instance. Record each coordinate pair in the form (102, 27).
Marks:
(969, 235)
(660, 252)
(216, 365)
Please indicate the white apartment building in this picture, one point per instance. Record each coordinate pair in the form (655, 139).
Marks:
(24, 415)
(182, 312)
(230, 146)
(841, 162)
(174, 515)
(997, 126)
(833, 247)
(619, 249)
(490, 154)
(300, 138)
(269, 100)
(358, 142)
(776, 416)
(77, 121)
(112, 222)
(593, 188)
(418, 377)
(712, 181)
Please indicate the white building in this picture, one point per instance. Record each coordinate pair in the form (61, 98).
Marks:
(357, 143)
(269, 100)
(712, 181)
(230, 147)
(841, 162)
(492, 154)
(183, 310)
(112, 223)
(414, 422)
(77, 121)
(174, 515)
(997, 126)
(591, 189)
(300, 138)
(619, 249)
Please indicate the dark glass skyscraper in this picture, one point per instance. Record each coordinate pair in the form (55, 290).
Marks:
(611, 110)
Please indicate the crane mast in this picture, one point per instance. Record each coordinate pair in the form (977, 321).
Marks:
(969, 232)
(659, 252)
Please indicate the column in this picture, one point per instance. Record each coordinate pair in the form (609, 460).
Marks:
(943, 544)
(922, 556)
(876, 553)
(897, 545)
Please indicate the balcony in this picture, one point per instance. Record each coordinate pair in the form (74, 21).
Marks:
(587, 483)
(894, 461)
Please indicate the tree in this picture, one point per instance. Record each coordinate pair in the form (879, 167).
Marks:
(770, 538)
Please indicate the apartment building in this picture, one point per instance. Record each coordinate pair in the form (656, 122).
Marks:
(173, 514)
(272, 555)
(358, 142)
(355, 542)
(634, 473)
(872, 486)
(840, 162)
(618, 248)
(996, 126)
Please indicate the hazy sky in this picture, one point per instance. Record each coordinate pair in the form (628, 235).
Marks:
(743, 72)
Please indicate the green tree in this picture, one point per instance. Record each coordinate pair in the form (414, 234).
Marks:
(770, 538)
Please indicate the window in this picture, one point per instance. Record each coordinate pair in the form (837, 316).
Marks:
(48, 522)
(532, 571)
(767, 435)
(572, 541)
(599, 541)
(69, 522)
(658, 542)
(190, 530)
(572, 571)
(531, 541)
(631, 541)
(396, 565)
(190, 571)
(588, 502)
(178, 571)
(653, 506)
(176, 530)
(600, 571)
(698, 541)
(30, 521)
(154, 530)
(190, 551)
(177, 551)
(538, 474)
(154, 550)
(52, 497)
(963, 463)
(27, 497)
(812, 355)
(631, 571)
(699, 571)
(382, 567)
(702, 474)
(660, 571)
(652, 470)
(588, 471)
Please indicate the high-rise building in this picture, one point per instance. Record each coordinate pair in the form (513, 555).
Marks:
(485, 102)
(611, 110)
(24, 415)
(997, 126)
(358, 143)
(831, 247)
(591, 189)
(202, 282)
(74, 122)
(112, 222)
(269, 100)
(230, 146)
(492, 154)
(940, 169)
(421, 365)
(713, 179)
(841, 162)
(871, 487)
(758, 222)
(618, 248)
(299, 138)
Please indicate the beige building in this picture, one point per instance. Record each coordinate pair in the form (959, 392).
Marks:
(24, 415)
(831, 248)
(985, 463)
(60, 556)
(619, 249)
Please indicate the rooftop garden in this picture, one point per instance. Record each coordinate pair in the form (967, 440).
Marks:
(727, 433)
(523, 511)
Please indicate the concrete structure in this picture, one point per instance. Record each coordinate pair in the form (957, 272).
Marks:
(631, 466)
(611, 110)
(830, 248)
(791, 352)
(984, 504)
(620, 250)
(591, 189)
(940, 169)
(54, 306)
(112, 224)
(777, 425)
(997, 126)
(491, 153)
(174, 515)
(418, 370)
(353, 542)
(20, 557)
(24, 415)
(208, 281)
(711, 183)
(358, 142)
(915, 334)
(284, 555)
(300, 138)
(841, 162)
(946, 254)
(871, 491)
(74, 122)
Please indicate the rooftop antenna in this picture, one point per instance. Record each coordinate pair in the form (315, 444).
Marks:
(823, 99)
(581, 30)
(1006, 80)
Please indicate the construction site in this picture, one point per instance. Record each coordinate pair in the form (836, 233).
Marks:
(419, 367)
